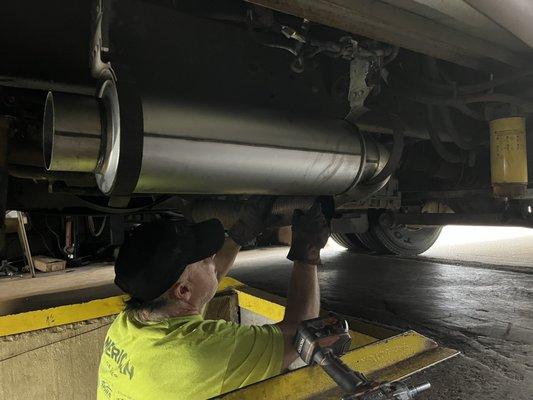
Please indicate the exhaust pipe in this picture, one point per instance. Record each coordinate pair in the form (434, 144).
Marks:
(202, 149)
(76, 126)
(227, 211)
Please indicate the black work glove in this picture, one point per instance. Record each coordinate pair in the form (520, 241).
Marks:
(310, 233)
(254, 217)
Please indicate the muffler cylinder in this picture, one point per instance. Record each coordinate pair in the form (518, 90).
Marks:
(207, 149)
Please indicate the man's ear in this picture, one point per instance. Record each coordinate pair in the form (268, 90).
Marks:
(181, 290)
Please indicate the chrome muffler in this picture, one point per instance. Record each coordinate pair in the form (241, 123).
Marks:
(162, 145)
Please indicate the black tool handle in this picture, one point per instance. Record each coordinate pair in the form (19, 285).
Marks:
(343, 375)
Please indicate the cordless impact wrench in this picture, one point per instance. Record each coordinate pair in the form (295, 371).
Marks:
(324, 340)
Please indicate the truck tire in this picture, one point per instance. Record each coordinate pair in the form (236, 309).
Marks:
(351, 241)
(381, 239)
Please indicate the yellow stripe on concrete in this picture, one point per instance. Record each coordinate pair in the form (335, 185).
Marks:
(388, 352)
(228, 283)
(47, 318)
(261, 306)
(68, 314)
(312, 381)
(360, 339)
(273, 307)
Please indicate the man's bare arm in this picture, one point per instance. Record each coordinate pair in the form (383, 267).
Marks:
(303, 302)
(225, 257)
(310, 233)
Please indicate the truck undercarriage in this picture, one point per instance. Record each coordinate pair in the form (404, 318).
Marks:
(402, 117)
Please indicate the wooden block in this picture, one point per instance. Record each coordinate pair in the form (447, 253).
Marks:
(223, 306)
(48, 264)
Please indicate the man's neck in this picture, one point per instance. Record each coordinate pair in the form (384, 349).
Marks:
(172, 310)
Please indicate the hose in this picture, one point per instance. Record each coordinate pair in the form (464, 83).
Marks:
(118, 210)
(460, 102)
(464, 109)
(524, 104)
(92, 230)
(456, 103)
(457, 138)
(478, 87)
(438, 145)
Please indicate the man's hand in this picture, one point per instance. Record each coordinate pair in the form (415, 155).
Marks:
(254, 217)
(310, 233)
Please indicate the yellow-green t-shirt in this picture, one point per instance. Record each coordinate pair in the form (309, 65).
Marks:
(185, 358)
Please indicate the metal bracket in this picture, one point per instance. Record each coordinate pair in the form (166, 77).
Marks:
(350, 223)
(100, 42)
(388, 197)
(359, 88)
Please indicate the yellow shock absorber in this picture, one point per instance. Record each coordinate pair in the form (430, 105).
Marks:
(508, 157)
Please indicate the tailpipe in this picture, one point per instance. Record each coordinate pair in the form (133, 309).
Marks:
(72, 131)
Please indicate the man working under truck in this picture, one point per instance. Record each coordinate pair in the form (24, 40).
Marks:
(161, 348)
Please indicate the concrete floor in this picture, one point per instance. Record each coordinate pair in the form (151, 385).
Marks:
(486, 313)
(74, 285)
(503, 248)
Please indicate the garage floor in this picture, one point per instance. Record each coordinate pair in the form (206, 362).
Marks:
(73, 285)
(486, 313)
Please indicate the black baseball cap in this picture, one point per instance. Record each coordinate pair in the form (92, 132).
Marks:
(155, 254)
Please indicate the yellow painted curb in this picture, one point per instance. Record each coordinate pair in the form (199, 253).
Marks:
(47, 318)
(373, 360)
(68, 314)
(261, 306)
(229, 283)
